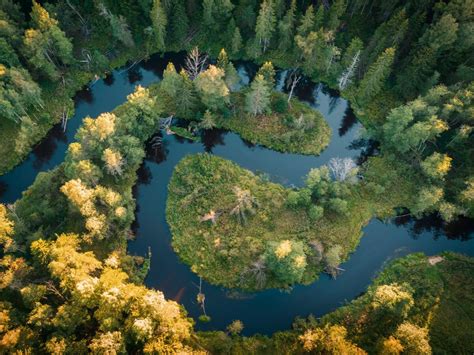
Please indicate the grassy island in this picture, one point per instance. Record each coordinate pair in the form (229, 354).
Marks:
(238, 230)
(299, 129)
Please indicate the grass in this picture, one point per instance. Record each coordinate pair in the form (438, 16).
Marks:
(224, 252)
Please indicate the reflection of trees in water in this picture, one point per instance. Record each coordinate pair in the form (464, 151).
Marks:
(84, 95)
(348, 121)
(135, 224)
(247, 143)
(3, 188)
(109, 79)
(212, 137)
(158, 62)
(156, 148)
(367, 148)
(44, 151)
(144, 175)
(134, 74)
(461, 229)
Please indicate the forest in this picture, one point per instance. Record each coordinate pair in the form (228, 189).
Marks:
(236, 176)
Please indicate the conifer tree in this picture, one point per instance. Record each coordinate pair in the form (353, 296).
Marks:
(179, 25)
(266, 22)
(336, 10)
(159, 21)
(307, 22)
(46, 46)
(268, 73)
(257, 100)
(236, 43)
(286, 28)
(376, 76)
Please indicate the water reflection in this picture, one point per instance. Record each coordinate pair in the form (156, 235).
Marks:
(44, 151)
(460, 229)
(348, 121)
(212, 138)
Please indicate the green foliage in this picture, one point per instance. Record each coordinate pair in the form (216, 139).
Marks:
(257, 100)
(159, 21)
(375, 78)
(212, 89)
(286, 260)
(266, 23)
(46, 46)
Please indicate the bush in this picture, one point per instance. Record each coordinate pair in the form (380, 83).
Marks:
(287, 260)
(315, 212)
(280, 105)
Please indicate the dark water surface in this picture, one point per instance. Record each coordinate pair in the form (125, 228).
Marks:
(267, 311)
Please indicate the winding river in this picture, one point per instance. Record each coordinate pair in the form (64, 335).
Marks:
(267, 311)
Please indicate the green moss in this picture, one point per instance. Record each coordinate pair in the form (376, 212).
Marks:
(226, 252)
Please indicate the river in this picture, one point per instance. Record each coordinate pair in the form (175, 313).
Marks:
(267, 311)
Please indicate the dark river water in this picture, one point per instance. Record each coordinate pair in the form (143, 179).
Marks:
(267, 311)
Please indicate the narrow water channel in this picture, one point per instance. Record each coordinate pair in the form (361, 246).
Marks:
(267, 311)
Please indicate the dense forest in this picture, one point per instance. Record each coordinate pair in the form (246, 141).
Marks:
(67, 283)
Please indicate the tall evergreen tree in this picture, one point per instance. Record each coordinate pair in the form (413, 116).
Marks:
(376, 76)
(266, 22)
(257, 100)
(159, 21)
(286, 28)
(307, 22)
(179, 25)
(336, 11)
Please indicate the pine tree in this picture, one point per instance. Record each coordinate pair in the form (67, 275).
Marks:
(159, 21)
(257, 100)
(286, 28)
(266, 22)
(376, 76)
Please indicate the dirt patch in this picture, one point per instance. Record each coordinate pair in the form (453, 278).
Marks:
(433, 260)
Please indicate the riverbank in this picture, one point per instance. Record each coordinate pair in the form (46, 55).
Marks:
(17, 142)
(416, 303)
(228, 224)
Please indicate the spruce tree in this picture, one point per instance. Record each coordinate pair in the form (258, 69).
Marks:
(376, 76)
(257, 100)
(266, 22)
(236, 44)
(268, 73)
(307, 22)
(159, 21)
(286, 28)
(179, 25)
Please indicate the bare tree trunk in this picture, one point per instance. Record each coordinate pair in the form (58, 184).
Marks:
(195, 63)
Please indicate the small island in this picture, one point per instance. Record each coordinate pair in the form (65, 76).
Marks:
(239, 230)
(258, 113)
